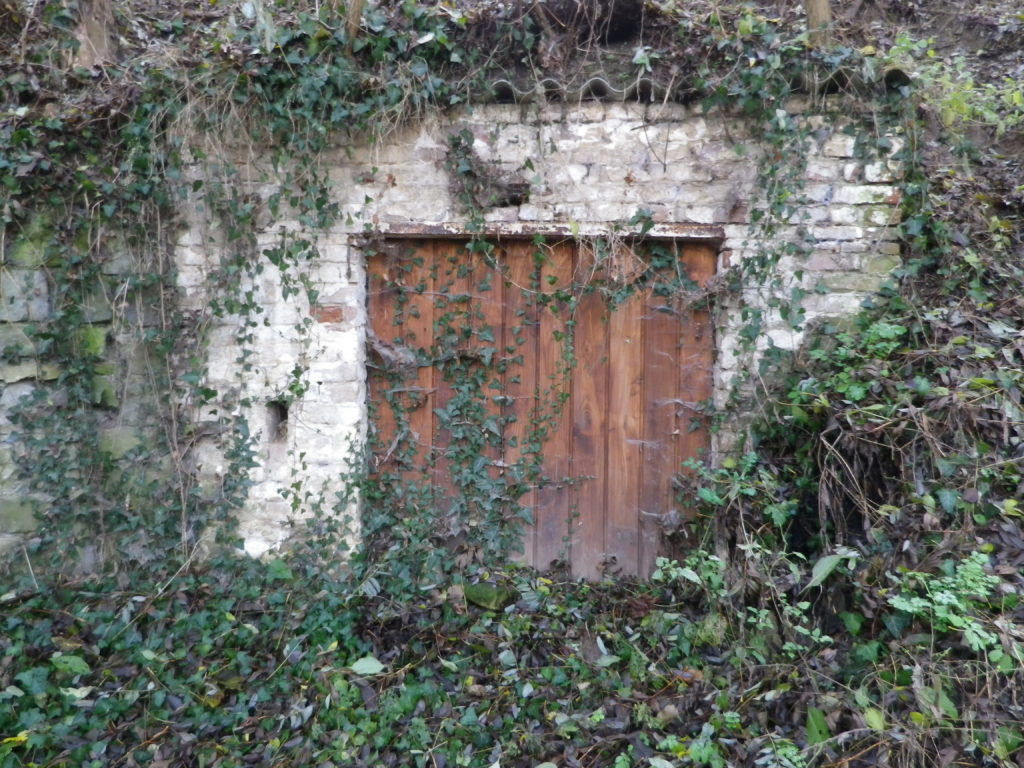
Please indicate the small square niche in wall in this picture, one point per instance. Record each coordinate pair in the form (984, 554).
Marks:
(277, 421)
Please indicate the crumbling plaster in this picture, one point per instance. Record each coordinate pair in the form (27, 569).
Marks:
(591, 166)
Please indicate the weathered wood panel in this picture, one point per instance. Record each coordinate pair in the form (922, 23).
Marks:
(629, 416)
(550, 533)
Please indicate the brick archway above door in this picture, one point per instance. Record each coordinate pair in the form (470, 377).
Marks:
(606, 392)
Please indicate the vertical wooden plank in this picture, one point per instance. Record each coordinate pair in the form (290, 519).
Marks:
(488, 290)
(553, 506)
(417, 333)
(519, 349)
(624, 430)
(453, 307)
(394, 275)
(380, 309)
(660, 432)
(696, 361)
(589, 435)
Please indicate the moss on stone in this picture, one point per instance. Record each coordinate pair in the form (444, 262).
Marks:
(104, 392)
(15, 342)
(17, 515)
(48, 372)
(118, 441)
(91, 340)
(31, 246)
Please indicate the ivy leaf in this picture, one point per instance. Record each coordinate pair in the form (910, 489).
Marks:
(948, 499)
(77, 694)
(366, 666)
(709, 496)
(489, 596)
(73, 665)
(823, 569)
(34, 680)
(278, 570)
(817, 727)
(875, 718)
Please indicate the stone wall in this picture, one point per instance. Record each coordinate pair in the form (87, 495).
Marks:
(590, 166)
(115, 317)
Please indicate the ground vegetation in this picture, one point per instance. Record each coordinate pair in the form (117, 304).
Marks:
(852, 597)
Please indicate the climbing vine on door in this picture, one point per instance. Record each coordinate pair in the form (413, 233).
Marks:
(538, 397)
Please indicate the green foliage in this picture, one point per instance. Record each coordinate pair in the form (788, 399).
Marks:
(882, 454)
(895, 444)
(701, 569)
(951, 603)
(253, 672)
(951, 90)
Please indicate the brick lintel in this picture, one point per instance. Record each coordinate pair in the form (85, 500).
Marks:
(707, 233)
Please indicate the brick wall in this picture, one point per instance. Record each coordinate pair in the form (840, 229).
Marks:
(590, 166)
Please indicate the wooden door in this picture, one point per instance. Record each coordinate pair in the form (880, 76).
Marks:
(562, 379)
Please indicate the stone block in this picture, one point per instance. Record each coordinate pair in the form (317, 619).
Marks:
(815, 214)
(837, 233)
(819, 193)
(32, 243)
(17, 514)
(15, 342)
(832, 305)
(863, 194)
(98, 303)
(48, 372)
(853, 246)
(10, 543)
(344, 392)
(119, 441)
(335, 442)
(614, 211)
(879, 215)
(118, 261)
(881, 234)
(882, 263)
(338, 368)
(332, 414)
(13, 394)
(8, 467)
(878, 172)
(505, 215)
(820, 169)
(24, 295)
(824, 261)
(534, 213)
(861, 282)
(700, 214)
(845, 215)
(143, 310)
(105, 391)
(572, 173)
(839, 145)
(20, 371)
